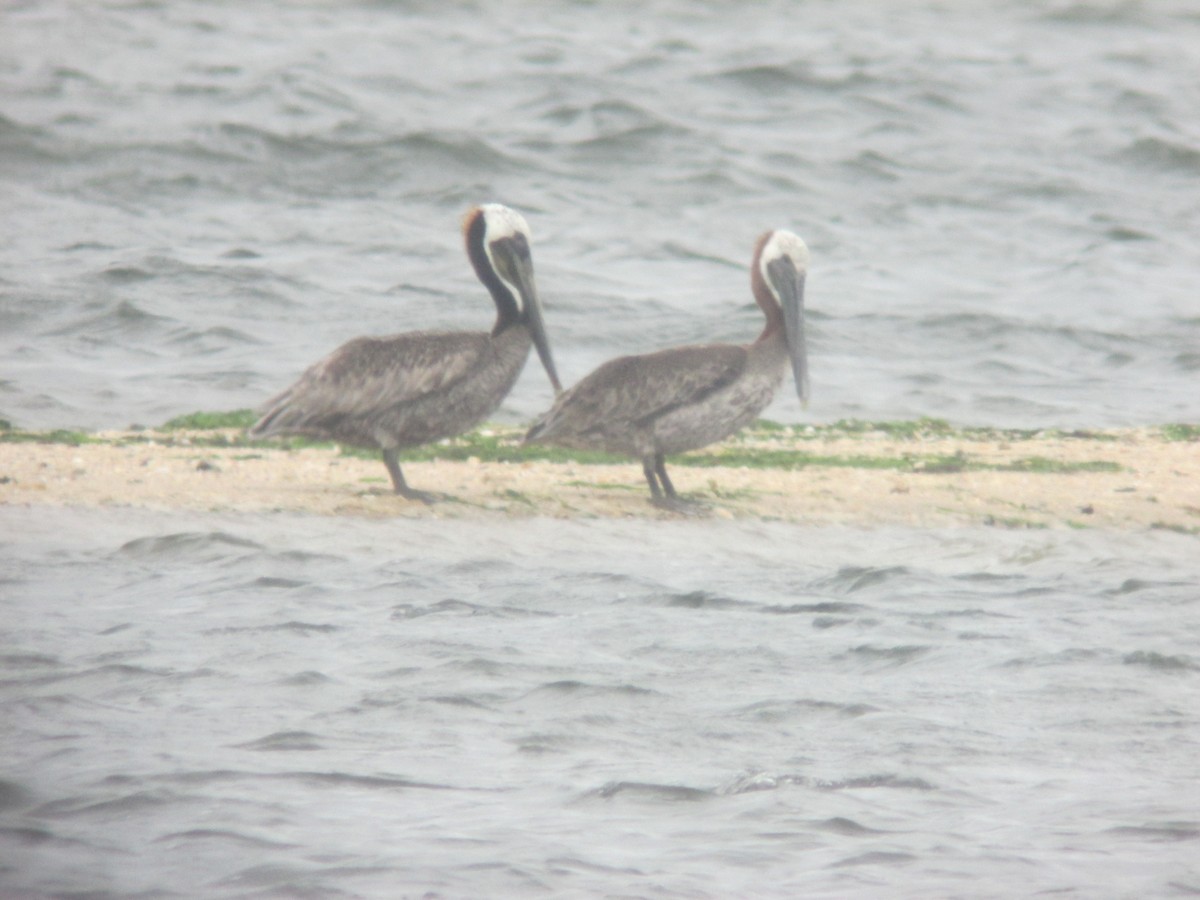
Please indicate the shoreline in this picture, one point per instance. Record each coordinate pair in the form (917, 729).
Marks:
(920, 474)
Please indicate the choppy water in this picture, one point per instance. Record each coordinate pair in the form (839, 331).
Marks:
(201, 199)
(297, 707)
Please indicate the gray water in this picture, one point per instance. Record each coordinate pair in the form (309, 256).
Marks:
(1001, 199)
(204, 705)
(202, 199)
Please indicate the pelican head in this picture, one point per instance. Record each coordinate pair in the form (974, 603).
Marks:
(498, 244)
(783, 264)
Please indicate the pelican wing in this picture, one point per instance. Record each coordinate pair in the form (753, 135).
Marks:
(633, 391)
(368, 376)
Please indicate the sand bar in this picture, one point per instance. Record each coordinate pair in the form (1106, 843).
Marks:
(1123, 479)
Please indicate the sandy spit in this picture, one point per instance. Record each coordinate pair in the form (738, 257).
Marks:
(1156, 483)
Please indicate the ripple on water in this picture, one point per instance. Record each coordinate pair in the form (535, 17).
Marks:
(465, 608)
(1161, 155)
(292, 627)
(827, 607)
(577, 691)
(221, 835)
(285, 741)
(42, 838)
(876, 858)
(1161, 662)
(309, 678)
(272, 583)
(848, 827)
(851, 579)
(139, 802)
(1162, 832)
(121, 320)
(648, 792)
(771, 79)
(216, 339)
(204, 546)
(892, 656)
(705, 600)
(12, 794)
(781, 710)
(35, 661)
(768, 781)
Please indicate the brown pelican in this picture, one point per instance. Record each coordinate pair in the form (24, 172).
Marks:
(408, 389)
(687, 397)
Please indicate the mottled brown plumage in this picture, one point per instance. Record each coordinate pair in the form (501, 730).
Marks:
(684, 398)
(403, 390)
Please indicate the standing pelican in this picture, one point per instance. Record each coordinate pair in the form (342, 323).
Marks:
(687, 397)
(408, 389)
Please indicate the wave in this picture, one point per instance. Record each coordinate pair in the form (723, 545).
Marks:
(650, 792)
(781, 710)
(852, 579)
(224, 835)
(1116, 15)
(1073, 656)
(873, 164)
(1161, 155)
(361, 161)
(824, 607)
(1161, 661)
(772, 78)
(466, 608)
(295, 627)
(766, 781)
(898, 655)
(876, 858)
(118, 318)
(136, 803)
(626, 143)
(1187, 362)
(241, 160)
(1166, 832)
(979, 327)
(580, 690)
(328, 779)
(28, 145)
(1137, 585)
(38, 661)
(12, 794)
(197, 546)
(40, 838)
(307, 678)
(705, 600)
(284, 741)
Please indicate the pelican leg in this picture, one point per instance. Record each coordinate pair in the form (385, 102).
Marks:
(665, 497)
(651, 471)
(391, 460)
(660, 469)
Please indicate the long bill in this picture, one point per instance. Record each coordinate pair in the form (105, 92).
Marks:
(532, 307)
(790, 285)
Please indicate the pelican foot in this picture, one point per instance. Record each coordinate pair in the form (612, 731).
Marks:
(427, 497)
(681, 507)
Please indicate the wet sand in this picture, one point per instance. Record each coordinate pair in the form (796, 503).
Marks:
(1156, 482)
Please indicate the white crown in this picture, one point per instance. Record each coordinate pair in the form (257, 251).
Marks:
(783, 243)
(500, 222)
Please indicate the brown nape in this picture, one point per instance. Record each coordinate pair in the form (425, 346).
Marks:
(474, 235)
(762, 294)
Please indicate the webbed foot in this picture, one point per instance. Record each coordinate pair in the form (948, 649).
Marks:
(681, 507)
